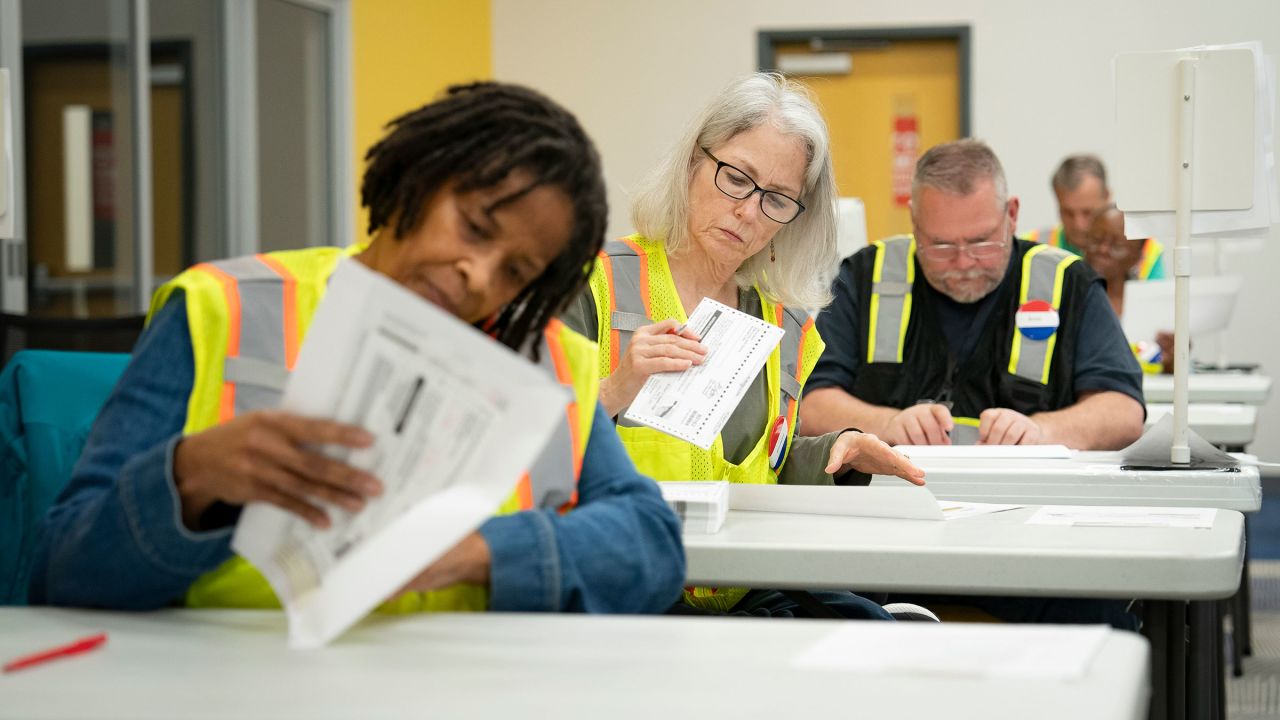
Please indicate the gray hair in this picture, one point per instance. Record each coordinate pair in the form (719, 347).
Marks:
(957, 167)
(805, 248)
(1073, 170)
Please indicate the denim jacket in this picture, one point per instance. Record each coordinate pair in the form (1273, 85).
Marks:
(115, 537)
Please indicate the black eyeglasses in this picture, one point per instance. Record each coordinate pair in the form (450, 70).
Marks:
(738, 185)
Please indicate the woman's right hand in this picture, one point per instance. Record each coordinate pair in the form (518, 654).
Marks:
(268, 456)
(653, 349)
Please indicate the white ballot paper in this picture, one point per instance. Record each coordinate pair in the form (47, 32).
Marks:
(1115, 516)
(695, 404)
(439, 397)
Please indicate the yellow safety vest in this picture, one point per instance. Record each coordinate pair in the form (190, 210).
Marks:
(632, 287)
(892, 280)
(242, 360)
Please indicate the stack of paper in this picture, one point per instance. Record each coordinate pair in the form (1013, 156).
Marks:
(701, 506)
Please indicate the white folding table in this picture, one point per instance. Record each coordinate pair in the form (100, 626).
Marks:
(1098, 478)
(235, 664)
(1001, 554)
(1087, 478)
(1210, 388)
(1231, 426)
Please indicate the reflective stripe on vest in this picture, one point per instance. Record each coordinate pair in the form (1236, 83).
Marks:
(964, 430)
(257, 361)
(627, 268)
(626, 265)
(893, 275)
(552, 482)
(254, 358)
(796, 326)
(1043, 267)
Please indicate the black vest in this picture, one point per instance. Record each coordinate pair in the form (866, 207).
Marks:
(928, 370)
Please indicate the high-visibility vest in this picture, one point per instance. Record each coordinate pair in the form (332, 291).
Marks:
(1150, 267)
(632, 287)
(893, 279)
(242, 359)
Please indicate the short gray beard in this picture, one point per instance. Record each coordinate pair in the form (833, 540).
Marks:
(969, 298)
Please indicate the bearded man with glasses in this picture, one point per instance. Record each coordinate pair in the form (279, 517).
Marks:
(960, 333)
(1005, 342)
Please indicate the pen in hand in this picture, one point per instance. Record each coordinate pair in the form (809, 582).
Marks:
(82, 645)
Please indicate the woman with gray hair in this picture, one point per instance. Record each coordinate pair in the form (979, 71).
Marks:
(742, 211)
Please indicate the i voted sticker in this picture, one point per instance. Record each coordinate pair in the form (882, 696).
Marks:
(778, 442)
(1036, 320)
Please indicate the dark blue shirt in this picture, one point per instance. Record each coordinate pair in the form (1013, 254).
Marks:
(115, 537)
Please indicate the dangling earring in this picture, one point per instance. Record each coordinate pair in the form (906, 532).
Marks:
(772, 257)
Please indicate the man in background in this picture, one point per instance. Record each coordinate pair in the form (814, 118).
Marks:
(1080, 186)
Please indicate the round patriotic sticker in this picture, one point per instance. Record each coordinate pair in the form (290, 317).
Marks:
(1036, 320)
(778, 442)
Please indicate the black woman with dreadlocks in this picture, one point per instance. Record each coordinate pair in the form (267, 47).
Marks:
(490, 204)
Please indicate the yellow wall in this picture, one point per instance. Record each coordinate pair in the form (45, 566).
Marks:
(405, 52)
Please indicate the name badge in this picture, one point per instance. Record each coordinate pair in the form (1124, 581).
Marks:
(1036, 320)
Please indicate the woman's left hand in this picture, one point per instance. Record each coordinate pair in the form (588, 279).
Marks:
(466, 562)
(869, 454)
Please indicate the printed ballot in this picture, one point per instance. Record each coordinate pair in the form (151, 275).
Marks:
(695, 404)
(438, 396)
(1118, 516)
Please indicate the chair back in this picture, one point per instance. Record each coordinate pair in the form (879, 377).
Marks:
(48, 402)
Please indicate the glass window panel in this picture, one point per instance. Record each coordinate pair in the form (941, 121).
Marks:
(79, 179)
(294, 128)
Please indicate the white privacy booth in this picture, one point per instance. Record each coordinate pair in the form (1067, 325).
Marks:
(1192, 157)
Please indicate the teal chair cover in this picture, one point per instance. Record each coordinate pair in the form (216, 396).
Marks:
(48, 402)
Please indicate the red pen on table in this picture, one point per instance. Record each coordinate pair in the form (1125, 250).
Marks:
(82, 645)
